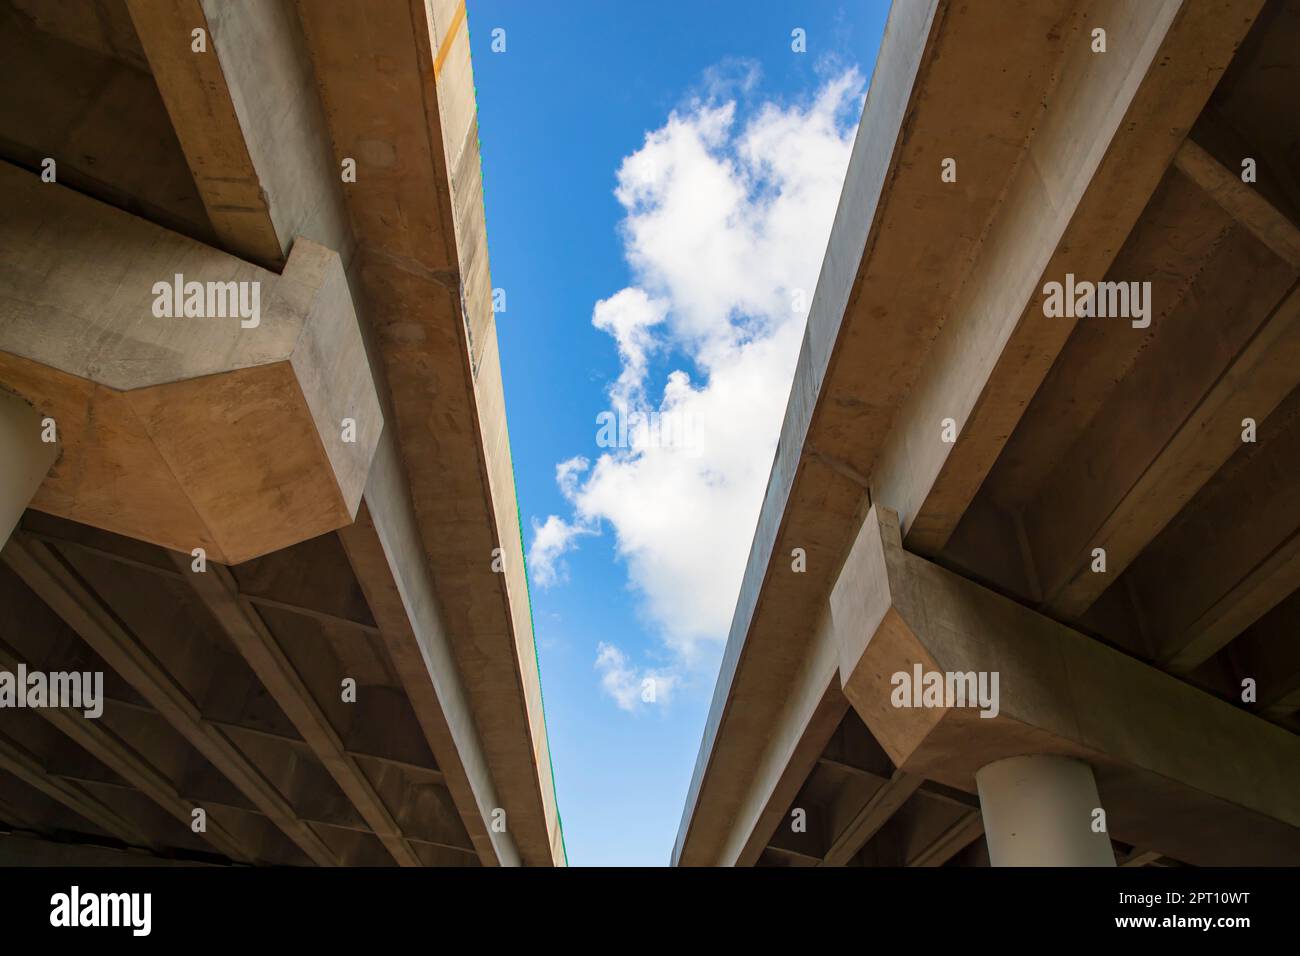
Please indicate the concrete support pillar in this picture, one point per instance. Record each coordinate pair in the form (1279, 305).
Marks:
(24, 460)
(1038, 811)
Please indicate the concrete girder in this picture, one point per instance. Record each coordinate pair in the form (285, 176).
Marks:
(422, 269)
(222, 433)
(63, 590)
(135, 769)
(27, 459)
(892, 334)
(248, 119)
(95, 114)
(1165, 753)
(1108, 131)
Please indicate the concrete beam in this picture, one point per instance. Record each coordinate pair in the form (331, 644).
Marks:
(28, 769)
(134, 769)
(99, 26)
(1273, 580)
(1241, 201)
(422, 267)
(27, 460)
(63, 591)
(384, 549)
(174, 574)
(1196, 599)
(884, 803)
(446, 851)
(1269, 654)
(238, 618)
(1251, 384)
(1164, 753)
(99, 118)
(1139, 857)
(418, 793)
(813, 710)
(804, 847)
(967, 829)
(1108, 131)
(21, 849)
(248, 118)
(885, 287)
(203, 114)
(226, 433)
(886, 340)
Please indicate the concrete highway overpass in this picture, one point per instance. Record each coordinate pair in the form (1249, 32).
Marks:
(350, 678)
(1102, 512)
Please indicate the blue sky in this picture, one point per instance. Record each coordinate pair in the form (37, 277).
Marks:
(663, 274)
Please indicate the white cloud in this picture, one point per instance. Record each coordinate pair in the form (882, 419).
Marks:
(725, 228)
(732, 75)
(630, 316)
(567, 474)
(554, 537)
(630, 687)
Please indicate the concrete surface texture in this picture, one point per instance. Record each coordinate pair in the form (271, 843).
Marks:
(256, 301)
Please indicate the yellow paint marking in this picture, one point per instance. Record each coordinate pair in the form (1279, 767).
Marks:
(445, 47)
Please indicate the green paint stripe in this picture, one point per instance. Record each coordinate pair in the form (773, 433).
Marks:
(537, 662)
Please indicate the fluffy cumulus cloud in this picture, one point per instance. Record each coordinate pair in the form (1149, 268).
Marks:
(726, 223)
(628, 686)
(555, 536)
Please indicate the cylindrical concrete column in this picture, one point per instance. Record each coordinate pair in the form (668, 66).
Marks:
(24, 460)
(1038, 811)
